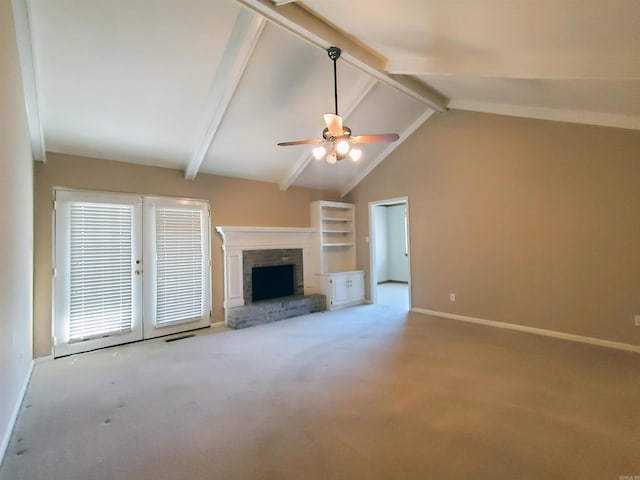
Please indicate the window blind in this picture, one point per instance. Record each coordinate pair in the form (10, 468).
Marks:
(179, 265)
(101, 268)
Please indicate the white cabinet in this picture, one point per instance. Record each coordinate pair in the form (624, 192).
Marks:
(339, 283)
(343, 289)
(356, 286)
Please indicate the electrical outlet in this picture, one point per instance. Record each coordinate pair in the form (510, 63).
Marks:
(637, 320)
(452, 297)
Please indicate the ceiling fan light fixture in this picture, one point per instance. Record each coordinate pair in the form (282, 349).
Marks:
(319, 152)
(336, 137)
(343, 146)
(355, 154)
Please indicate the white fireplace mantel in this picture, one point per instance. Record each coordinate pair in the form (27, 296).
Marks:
(237, 239)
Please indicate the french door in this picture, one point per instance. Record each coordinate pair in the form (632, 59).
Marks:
(128, 267)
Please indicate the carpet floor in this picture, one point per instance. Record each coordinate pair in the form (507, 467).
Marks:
(369, 392)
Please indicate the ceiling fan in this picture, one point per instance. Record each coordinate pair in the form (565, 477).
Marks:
(336, 137)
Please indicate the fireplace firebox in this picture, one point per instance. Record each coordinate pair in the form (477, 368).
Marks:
(288, 281)
(272, 281)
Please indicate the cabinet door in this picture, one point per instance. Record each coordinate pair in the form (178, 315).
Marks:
(339, 289)
(356, 286)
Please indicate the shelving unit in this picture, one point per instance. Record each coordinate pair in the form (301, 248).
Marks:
(335, 261)
(335, 236)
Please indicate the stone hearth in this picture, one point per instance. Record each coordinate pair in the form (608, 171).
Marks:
(276, 309)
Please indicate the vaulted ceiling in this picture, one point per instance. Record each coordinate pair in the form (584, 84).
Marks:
(211, 86)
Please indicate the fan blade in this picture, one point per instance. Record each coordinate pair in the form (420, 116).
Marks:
(334, 123)
(299, 142)
(380, 137)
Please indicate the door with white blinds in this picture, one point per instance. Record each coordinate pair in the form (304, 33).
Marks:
(128, 268)
(96, 290)
(176, 257)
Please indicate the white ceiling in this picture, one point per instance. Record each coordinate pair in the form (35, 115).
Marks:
(211, 86)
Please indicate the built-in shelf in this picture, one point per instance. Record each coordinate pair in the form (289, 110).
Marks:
(335, 236)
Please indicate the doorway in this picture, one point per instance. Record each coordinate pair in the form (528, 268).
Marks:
(389, 252)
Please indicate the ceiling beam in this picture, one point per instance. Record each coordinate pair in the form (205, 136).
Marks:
(29, 79)
(583, 67)
(242, 41)
(366, 85)
(549, 113)
(302, 23)
(387, 151)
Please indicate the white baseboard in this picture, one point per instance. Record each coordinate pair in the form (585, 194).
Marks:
(6, 436)
(537, 331)
(39, 360)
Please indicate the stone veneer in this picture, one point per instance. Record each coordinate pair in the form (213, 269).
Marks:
(267, 258)
(277, 309)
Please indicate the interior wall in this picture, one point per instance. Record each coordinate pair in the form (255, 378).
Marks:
(398, 261)
(16, 240)
(234, 202)
(527, 221)
(382, 247)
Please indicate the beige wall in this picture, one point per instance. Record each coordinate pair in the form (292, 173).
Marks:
(233, 202)
(16, 231)
(529, 222)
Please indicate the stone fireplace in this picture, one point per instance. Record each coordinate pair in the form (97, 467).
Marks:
(269, 265)
(246, 247)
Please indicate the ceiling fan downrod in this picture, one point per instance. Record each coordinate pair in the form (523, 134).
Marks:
(334, 55)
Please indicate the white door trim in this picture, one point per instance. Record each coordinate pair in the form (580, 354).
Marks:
(373, 274)
(61, 293)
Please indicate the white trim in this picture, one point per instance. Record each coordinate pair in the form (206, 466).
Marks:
(555, 114)
(6, 436)
(242, 42)
(589, 66)
(373, 274)
(41, 360)
(536, 331)
(226, 230)
(29, 78)
(387, 151)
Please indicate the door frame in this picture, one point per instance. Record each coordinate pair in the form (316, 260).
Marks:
(373, 275)
(60, 283)
(144, 248)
